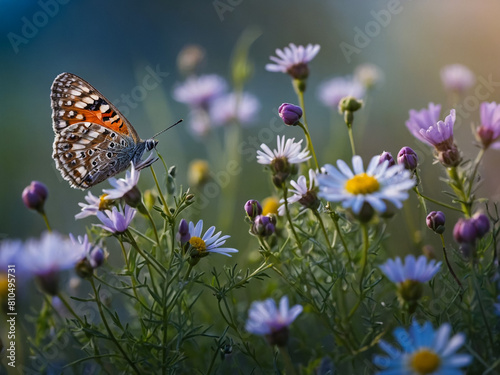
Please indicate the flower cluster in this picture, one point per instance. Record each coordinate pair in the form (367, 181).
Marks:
(261, 225)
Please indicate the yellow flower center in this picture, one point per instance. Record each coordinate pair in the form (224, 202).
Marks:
(270, 206)
(198, 244)
(104, 204)
(3, 285)
(362, 184)
(425, 361)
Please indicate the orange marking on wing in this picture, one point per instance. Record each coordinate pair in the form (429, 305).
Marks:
(103, 119)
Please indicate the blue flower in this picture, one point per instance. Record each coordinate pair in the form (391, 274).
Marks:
(209, 242)
(424, 351)
(413, 269)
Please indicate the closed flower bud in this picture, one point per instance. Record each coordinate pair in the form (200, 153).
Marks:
(465, 231)
(253, 208)
(485, 135)
(435, 221)
(97, 257)
(290, 114)
(34, 196)
(349, 104)
(84, 269)
(408, 158)
(184, 235)
(263, 226)
(386, 156)
(133, 197)
(450, 157)
(481, 223)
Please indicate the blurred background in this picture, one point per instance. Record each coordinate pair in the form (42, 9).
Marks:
(114, 45)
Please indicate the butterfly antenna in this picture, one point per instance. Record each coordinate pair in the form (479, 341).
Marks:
(170, 127)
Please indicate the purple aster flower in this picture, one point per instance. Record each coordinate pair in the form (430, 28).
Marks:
(489, 131)
(264, 225)
(331, 92)
(293, 60)
(9, 255)
(413, 269)
(183, 233)
(208, 242)
(457, 77)
(424, 351)
(199, 91)
(93, 254)
(49, 255)
(34, 195)
(425, 126)
(116, 220)
(265, 318)
(240, 108)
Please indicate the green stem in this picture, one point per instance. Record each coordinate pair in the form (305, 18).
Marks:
(351, 138)
(132, 278)
(304, 126)
(186, 276)
(334, 217)
(150, 218)
(70, 309)
(458, 187)
(309, 144)
(479, 157)
(435, 201)
(166, 210)
(287, 360)
(110, 332)
(364, 261)
(449, 264)
(481, 307)
(46, 219)
(285, 194)
(150, 261)
(322, 224)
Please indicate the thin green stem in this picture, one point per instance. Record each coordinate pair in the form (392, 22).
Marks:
(150, 261)
(435, 201)
(150, 218)
(287, 360)
(479, 157)
(449, 264)
(309, 143)
(188, 272)
(334, 217)
(481, 307)
(46, 220)
(132, 278)
(285, 194)
(70, 309)
(351, 138)
(110, 332)
(323, 228)
(166, 210)
(364, 261)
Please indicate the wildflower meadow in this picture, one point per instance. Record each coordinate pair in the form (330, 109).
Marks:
(343, 261)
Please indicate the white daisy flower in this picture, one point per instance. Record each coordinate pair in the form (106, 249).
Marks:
(92, 208)
(293, 60)
(209, 242)
(122, 185)
(289, 150)
(377, 185)
(302, 192)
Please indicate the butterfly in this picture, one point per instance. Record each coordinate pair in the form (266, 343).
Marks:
(93, 140)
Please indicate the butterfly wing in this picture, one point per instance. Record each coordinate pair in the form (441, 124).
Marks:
(93, 141)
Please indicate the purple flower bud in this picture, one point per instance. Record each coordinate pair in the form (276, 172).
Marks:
(34, 195)
(450, 157)
(263, 226)
(253, 208)
(290, 113)
(435, 221)
(97, 257)
(408, 158)
(481, 223)
(465, 231)
(184, 234)
(386, 156)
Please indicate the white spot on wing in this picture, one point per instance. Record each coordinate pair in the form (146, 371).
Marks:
(104, 108)
(75, 92)
(80, 104)
(88, 100)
